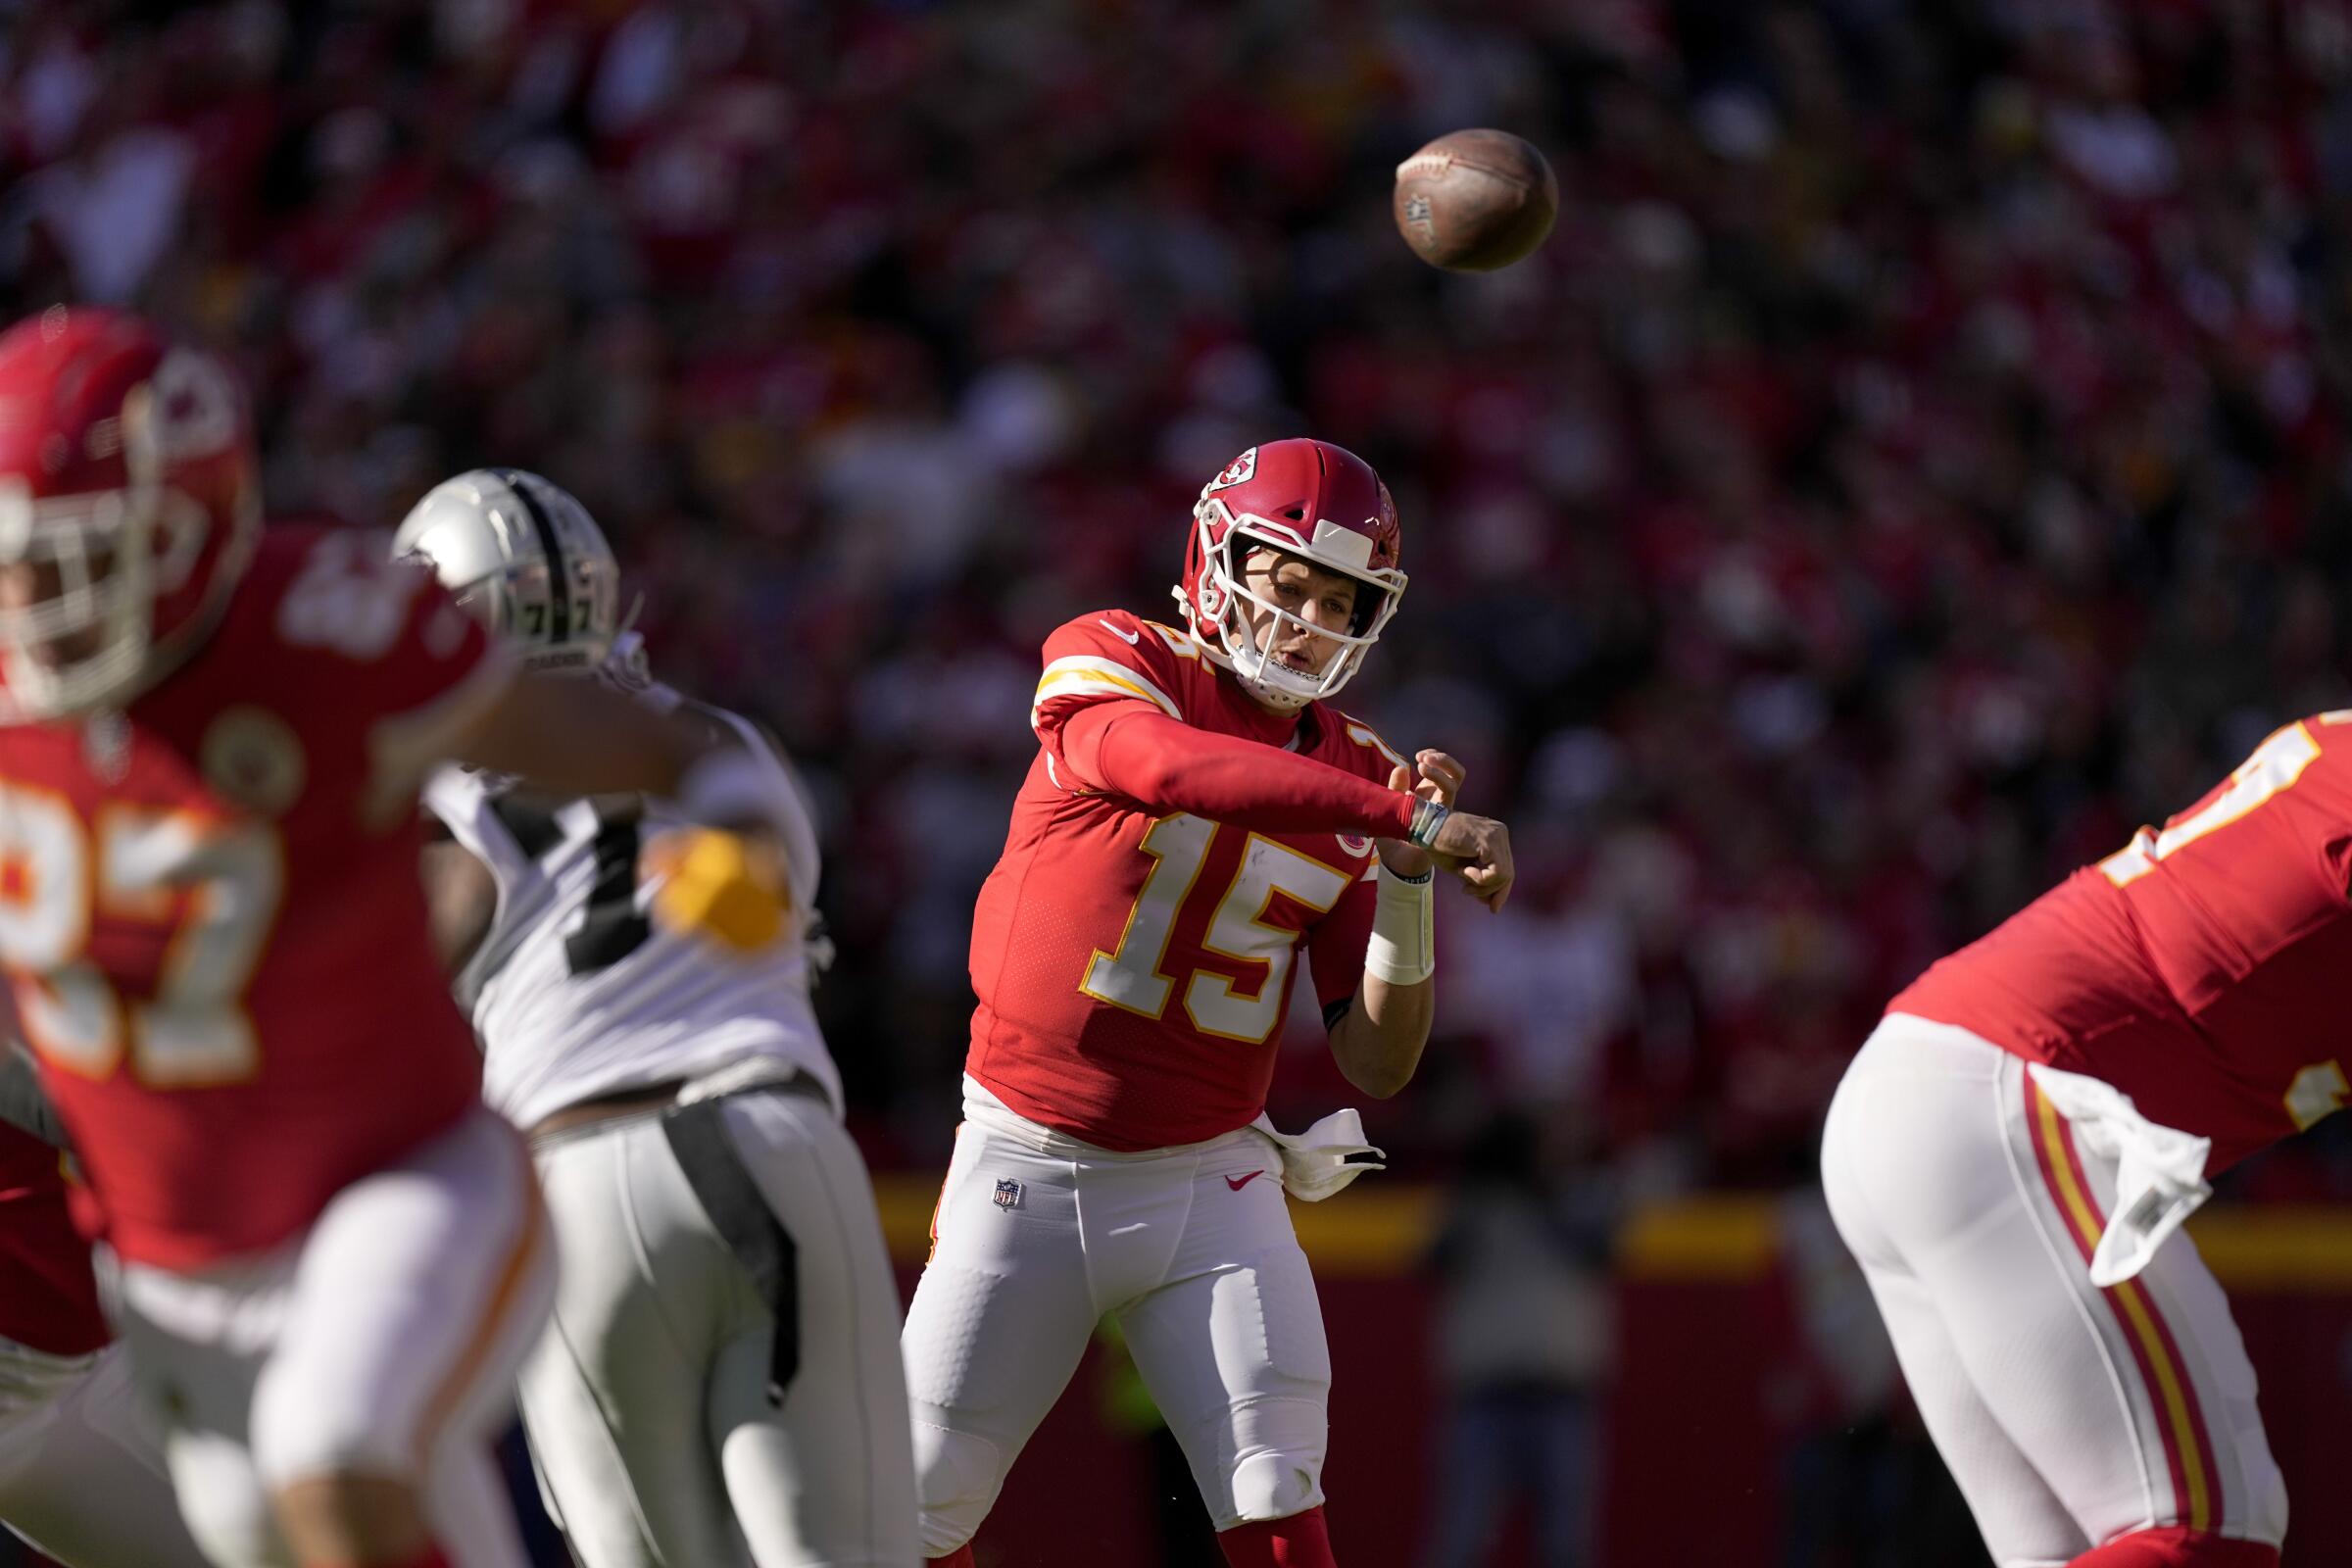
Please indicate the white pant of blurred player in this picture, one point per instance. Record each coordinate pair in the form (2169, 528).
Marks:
(81, 1477)
(2068, 1416)
(1192, 1248)
(648, 1401)
(382, 1343)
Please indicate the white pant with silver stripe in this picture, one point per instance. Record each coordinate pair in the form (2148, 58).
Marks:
(81, 1475)
(645, 1403)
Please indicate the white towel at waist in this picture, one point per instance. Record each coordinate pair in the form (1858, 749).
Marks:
(1318, 1162)
(1315, 1164)
(2159, 1171)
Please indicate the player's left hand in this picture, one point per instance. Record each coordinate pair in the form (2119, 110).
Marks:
(1434, 776)
(729, 888)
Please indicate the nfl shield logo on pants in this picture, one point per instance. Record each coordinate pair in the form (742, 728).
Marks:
(1008, 1193)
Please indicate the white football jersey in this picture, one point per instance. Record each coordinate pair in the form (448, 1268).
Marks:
(575, 992)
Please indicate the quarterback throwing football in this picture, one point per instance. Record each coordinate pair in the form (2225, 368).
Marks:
(1195, 815)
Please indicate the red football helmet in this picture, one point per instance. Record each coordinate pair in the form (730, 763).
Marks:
(1304, 498)
(129, 488)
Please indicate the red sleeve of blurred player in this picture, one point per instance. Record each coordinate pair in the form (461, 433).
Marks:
(1109, 723)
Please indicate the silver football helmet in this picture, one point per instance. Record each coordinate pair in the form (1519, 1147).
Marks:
(524, 556)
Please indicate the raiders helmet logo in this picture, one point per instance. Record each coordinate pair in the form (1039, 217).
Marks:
(1238, 472)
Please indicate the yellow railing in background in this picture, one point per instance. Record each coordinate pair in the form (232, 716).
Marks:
(1381, 1229)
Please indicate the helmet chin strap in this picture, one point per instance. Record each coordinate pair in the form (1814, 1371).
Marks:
(1232, 644)
(1252, 665)
(117, 665)
(103, 679)
(1230, 636)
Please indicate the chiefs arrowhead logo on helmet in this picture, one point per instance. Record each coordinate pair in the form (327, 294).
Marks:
(1238, 472)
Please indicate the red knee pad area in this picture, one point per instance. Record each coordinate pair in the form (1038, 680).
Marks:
(1298, 1541)
(960, 1557)
(2176, 1548)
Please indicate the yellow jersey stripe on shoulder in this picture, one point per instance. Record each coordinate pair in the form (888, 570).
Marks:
(1365, 735)
(1084, 676)
(1180, 643)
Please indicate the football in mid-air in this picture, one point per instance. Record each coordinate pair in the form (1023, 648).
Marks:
(1475, 200)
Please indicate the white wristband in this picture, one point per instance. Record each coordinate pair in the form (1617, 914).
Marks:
(730, 788)
(1404, 949)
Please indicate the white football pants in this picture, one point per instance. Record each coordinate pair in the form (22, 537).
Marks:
(384, 1342)
(1191, 1248)
(647, 1402)
(2068, 1415)
(80, 1476)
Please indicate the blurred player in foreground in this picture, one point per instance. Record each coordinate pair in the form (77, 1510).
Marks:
(2012, 1154)
(1196, 814)
(81, 1477)
(327, 1256)
(723, 1356)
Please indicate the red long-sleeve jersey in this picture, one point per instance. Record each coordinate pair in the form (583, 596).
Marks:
(2196, 969)
(213, 922)
(1172, 849)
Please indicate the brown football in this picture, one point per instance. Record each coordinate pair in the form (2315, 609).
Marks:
(1475, 200)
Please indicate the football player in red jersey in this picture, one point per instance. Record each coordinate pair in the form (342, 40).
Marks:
(81, 1477)
(1197, 814)
(328, 1258)
(2011, 1154)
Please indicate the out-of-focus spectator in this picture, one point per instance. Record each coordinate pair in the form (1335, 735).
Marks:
(112, 206)
(1525, 1344)
(1834, 1400)
(1862, 1485)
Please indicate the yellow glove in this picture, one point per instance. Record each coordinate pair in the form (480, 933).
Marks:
(718, 885)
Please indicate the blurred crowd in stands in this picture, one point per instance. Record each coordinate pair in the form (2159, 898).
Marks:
(1918, 455)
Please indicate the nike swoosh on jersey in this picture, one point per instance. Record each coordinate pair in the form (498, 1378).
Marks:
(1237, 1183)
(1131, 637)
